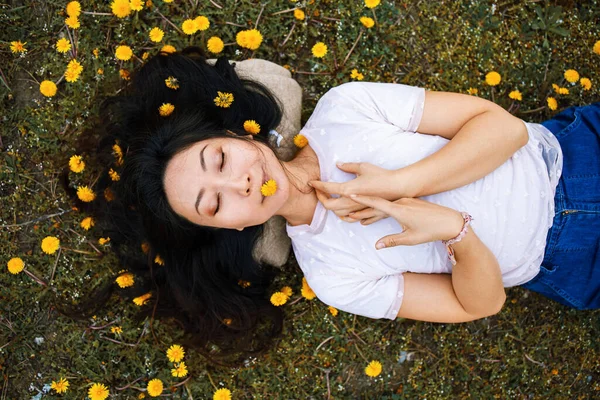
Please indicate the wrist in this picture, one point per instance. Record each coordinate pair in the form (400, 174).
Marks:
(403, 184)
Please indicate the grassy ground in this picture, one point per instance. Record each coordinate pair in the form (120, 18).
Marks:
(533, 349)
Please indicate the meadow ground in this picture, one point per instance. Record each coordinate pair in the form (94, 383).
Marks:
(532, 349)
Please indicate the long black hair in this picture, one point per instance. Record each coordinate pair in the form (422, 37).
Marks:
(203, 277)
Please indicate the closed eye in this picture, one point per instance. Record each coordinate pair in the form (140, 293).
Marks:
(219, 194)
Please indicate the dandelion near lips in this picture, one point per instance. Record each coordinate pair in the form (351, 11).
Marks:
(269, 188)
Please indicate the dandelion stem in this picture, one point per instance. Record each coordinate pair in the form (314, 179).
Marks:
(95, 13)
(35, 278)
(289, 34)
(183, 382)
(259, 15)
(234, 24)
(211, 381)
(4, 80)
(283, 11)
(374, 16)
(103, 326)
(214, 3)
(129, 384)
(35, 220)
(170, 23)
(353, 46)
(55, 263)
(533, 111)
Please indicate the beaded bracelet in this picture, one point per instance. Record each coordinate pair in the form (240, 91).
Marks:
(467, 218)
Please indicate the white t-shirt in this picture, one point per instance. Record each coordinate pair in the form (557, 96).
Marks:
(512, 207)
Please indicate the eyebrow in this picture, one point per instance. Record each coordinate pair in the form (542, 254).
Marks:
(201, 192)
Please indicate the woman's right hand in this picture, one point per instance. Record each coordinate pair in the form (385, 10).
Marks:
(421, 221)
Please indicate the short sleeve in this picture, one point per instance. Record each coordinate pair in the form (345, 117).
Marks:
(377, 298)
(393, 103)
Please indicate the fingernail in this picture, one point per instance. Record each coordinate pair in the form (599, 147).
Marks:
(339, 164)
(310, 184)
(352, 213)
(352, 195)
(380, 245)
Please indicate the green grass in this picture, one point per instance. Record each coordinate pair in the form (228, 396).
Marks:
(533, 349)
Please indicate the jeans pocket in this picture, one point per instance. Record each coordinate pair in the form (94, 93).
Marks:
(571, 127)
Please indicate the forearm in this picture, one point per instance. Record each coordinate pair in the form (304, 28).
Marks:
(484, 143)
(476, 277)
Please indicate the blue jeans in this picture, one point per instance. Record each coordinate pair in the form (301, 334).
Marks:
(570, 271)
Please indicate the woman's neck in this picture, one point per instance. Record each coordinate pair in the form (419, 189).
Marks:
(302, 201)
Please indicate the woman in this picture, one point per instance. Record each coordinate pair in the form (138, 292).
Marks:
(191, 188)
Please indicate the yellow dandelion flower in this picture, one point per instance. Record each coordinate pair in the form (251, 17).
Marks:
(62, 385)
(372, 3)
(223, 99)
(168, 1)
(552, 103)
(215, 45)
(15, 265)
(287, 291)
(269, 188)
(571, 75)
(73, 9)
(117, 330)
(158, 259)
(299, 14)
(124, 74)
(333, 311)
(136, 5)
(63, 45)
(563, 90)
(145, 247)
(114, 175)
(85, 194)
(72, 22)
(222, 394)
(300, 140)
(202, 23)
(48, 88)
(472, 91)
(125, 280)
(319, 50)
(155, 387)
(189, 27)
(278, 299)
(306, 291)
(356, 75)
(96, 52)
(249, 39)
(75, 66)
(71, 75)
(515, 95)
(166, 109)
(172, 83)
(493, 78)
(123, 52)
(555, 87)
(120, 8)
(244, 284)
(167, 48)
(18, 47)
(156, 34)
(143, 299)
(98, 391)
(586, 83)
(117, 152)
(142, 395)
(596, 47)
(87, 223)
(180, 370)
(175, 353)
(367, 22)
(373, 369)
(76, 164)
(109, 195)
(251, 126)
(50, 244)
(145, 55)
(103, 241)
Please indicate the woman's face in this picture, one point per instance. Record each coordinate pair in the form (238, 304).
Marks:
(216, 182)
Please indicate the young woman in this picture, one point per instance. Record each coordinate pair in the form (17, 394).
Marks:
(420, 168)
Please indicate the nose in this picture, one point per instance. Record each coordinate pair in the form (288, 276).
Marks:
(242, 185)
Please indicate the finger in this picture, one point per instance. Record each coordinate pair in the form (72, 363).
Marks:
(323, 197)
(327, 187)
(374, 202)
(372, 220)
(397, 239)
(350, 167)
(365, 213)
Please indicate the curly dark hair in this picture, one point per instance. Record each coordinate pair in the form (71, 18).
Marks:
(199, 283)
